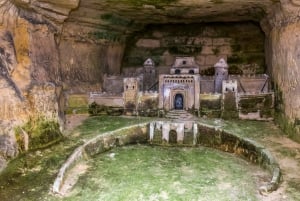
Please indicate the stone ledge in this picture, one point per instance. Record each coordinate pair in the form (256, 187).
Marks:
(208, 135)
(243, 147)
(99, 144)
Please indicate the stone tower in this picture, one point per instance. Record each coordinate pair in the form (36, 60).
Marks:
(221, 73)
(149, 74)
(131, 90)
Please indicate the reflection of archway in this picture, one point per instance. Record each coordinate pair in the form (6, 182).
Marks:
(178, 102)
(172, 137)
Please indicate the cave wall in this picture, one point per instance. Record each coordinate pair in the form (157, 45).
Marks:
(285, 61)
(241, 44)
(29, 75)
(49, 48)
(83, 64)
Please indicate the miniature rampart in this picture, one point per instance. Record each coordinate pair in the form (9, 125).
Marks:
(202, 135)
(111, 100)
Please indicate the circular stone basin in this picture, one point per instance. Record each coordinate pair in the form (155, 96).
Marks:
(141, 172)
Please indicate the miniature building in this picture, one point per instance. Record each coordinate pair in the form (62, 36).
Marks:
(229, 86)
(227, 96)
(131, 90)
(149, 75)
(221, 73)
(181, 88)
(184, 65)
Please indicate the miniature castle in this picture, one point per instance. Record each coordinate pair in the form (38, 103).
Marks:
(184, 88)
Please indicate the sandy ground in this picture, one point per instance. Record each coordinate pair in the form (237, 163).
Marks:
(286, 151)
(74, 120)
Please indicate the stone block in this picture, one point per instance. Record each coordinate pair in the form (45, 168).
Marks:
(148, 43)
(221, 41)
(167, 58)
(157, 34)
(200, 59)
(207, 50)
(203, 41)
(225, 49)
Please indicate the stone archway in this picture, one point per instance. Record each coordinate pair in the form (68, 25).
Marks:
(178, 102)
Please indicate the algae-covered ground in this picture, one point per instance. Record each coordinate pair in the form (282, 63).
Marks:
(153, 173)
(143, 172)
(30, 176)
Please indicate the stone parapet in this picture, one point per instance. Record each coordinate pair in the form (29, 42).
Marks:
(200, 134)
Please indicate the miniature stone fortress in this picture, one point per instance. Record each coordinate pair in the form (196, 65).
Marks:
(221, 95)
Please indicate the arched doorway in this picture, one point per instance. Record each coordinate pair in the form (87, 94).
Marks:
(178, 102)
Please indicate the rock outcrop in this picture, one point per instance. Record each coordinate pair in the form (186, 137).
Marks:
(50, 47)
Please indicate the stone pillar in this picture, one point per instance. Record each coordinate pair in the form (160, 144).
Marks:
(195, 133)
(165, 132)
(197, 92)
(221, 73)
(180, 132)
(151, 131)
(161, 92)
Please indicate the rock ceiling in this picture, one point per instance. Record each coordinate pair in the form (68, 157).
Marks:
(118, 13)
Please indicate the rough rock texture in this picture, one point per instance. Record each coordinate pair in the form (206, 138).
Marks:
(49, 48)
(283, 60)
(241, 44)
(29, 73)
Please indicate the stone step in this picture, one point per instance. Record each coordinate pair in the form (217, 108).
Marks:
(180, 115)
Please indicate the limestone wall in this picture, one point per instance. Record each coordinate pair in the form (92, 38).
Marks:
(283, 58)
(238, 43)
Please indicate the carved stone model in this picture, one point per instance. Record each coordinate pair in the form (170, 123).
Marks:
(181, 88)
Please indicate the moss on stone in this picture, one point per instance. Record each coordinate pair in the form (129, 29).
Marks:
(177, 12)
(106, 35)
(41, 132)
(235, 70)
(236, 47)
(208, 71)
(287, 126)
(185, 50)
(115, 19)
(229, 106)
(246, 41)
(145, 2)
(237, 59)
(77, 104)
(251, 104)
(217, 1)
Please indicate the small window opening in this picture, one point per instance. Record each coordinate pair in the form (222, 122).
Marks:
(177, 71)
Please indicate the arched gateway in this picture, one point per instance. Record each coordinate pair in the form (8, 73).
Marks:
(178, 102)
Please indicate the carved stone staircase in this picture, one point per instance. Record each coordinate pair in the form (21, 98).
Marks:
(180, 115)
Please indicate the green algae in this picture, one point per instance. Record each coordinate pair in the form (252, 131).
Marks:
(144, 172)
(30, 176)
